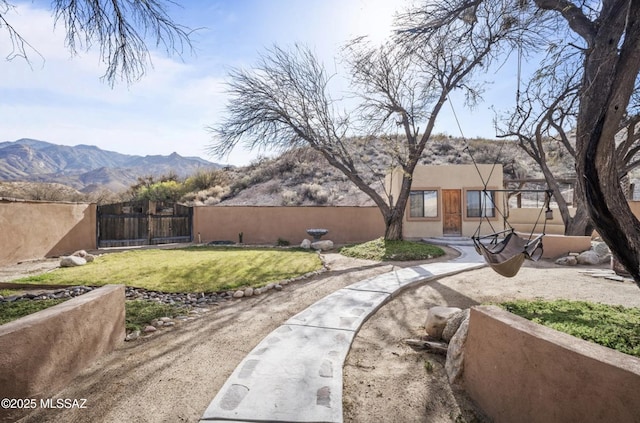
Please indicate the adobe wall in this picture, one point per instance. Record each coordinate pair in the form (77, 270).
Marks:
(444, 177)
(264, 225)
(517, 370)
(34, 229)
(524, 220)
(555, 246)
(42, 352)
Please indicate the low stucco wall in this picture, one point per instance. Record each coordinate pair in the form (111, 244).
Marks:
(524, 220)
(519, 371)
(36, 229)
(42, 352)
(264, 225)
(555, 246)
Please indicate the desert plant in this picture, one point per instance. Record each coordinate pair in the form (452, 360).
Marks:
(281, 242)
(204, 179)
(290, 198)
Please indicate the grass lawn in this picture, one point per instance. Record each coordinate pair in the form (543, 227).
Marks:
(193, 269)
(17, 309)
(615, 327)
(382, 250)
(138, 312)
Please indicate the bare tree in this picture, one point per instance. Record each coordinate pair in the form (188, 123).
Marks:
(609, 36)
(547, 111)
(286, 101)
(119, 28)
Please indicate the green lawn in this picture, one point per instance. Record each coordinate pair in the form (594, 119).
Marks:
(17, 309)
(140, 312)
(382, 250)
(615, 327)
(193, 269)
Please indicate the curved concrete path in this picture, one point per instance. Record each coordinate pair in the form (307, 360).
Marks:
(295, 373)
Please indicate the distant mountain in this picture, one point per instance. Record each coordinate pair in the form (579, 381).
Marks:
(85, 167)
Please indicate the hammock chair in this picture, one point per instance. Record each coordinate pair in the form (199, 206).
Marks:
(506, 256)
(505, 251)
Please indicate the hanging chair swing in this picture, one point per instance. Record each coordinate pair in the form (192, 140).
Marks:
(505, 251)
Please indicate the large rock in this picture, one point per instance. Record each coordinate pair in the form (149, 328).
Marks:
(437, 319)
(322, 245)
(589, 257)
(567, 261)
(82, 253)
(454, 366)
(601, 248)
(72, 261)
(306, 244)
(453, 323)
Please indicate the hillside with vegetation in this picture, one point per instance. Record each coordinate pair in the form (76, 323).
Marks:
(299, 177)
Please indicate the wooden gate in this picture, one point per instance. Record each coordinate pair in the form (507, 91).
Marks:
(143, 223)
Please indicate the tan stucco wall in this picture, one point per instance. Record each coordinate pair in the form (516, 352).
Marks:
(555, 246)
(519, 371)
(461, 177)
(524, 220)
(33, 230)
(42, 352)
(264, 225)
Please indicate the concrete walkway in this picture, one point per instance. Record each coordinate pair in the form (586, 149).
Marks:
(295, 373)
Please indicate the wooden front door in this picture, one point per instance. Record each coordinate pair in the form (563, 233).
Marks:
(452, 212)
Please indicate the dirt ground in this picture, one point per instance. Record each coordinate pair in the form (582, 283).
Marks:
(172, 376)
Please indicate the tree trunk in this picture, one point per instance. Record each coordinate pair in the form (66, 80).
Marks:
(579, 224)
(393, 231)
(609, 79)
(394, 219)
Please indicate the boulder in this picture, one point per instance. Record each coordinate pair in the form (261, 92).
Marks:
(601, 248)
(89, 258)
(454, 365)
(567, 261)
(72, 261)
(80, 253)
(589, 257)
(437, 318)
(453, 323)
(322, 245)
(306, 244)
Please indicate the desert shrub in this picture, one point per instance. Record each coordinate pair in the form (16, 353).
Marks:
(208, 197)
(282, 242)
(161, 191)
(205, 179)
(273, 187)
(290, 198)
(315, 193)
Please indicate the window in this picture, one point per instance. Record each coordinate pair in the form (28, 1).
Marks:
(423, 203)
(481, 203)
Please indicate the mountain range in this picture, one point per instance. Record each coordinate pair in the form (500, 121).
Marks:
(87, 168)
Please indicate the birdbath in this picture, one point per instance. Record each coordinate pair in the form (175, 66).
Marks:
(317, 233)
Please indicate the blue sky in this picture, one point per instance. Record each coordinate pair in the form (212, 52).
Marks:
(61, 99)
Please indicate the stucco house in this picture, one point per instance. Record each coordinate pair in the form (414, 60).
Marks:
(449, 200)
